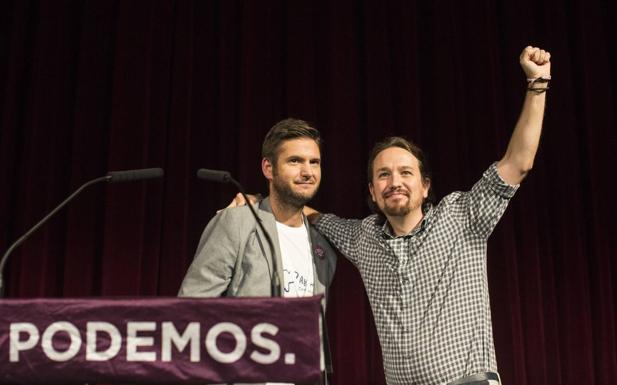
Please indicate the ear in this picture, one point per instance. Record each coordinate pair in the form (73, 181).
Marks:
(371, 190)
(266, 168)
(426, 185)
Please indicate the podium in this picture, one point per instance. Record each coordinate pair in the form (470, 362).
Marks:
(160, 340)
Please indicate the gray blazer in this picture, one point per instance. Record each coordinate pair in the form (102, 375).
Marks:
(229, 261)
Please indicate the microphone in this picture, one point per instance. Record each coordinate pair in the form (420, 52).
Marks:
(129, 175)
(220, 176)
(214, 175)
(112, 177)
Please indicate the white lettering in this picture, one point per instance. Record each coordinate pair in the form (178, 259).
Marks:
(113, 335)
(48, 346)
(170, 335)
(290, 358)
(268, 344)
(133, 341)
(213, 349)
(17, 345)
(104, 341)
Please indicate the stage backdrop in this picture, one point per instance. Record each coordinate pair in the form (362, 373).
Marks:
(88, 87)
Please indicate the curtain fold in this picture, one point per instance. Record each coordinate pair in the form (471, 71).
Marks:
(88, 87)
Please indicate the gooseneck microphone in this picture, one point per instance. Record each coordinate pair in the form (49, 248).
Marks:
(216, 176)
(130, 175)
(225, 177)
(111, 177)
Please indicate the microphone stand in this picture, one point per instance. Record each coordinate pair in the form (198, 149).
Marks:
(225, 177)
(114, 176)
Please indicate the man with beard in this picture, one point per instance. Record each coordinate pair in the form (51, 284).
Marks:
(230, 258)
(424, 265)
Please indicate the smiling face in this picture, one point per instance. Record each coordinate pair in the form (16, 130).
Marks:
(295, 175)
(397, 186)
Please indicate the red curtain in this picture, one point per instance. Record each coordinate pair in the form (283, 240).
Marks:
(88, 87)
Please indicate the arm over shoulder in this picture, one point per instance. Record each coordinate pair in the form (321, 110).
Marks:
(344, 234)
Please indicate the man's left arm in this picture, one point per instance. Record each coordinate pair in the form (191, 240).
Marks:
(521, 152)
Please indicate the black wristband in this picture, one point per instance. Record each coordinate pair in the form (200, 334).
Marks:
(537, 91)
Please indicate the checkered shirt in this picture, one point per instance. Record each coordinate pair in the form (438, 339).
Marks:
(428, 289)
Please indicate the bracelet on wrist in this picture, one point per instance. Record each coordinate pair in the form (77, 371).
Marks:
(537, 90)
(531, 82)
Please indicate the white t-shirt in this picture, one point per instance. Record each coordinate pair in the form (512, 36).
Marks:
(298, 276)
(297, 260)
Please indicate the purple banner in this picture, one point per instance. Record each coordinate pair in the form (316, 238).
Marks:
(161, 340)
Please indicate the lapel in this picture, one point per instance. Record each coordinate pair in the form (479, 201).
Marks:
(320, 260)
(267, 219)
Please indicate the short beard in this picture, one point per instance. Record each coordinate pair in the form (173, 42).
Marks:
(289, 197)
(399, 211)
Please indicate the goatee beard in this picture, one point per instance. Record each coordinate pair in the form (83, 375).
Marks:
(398, 211)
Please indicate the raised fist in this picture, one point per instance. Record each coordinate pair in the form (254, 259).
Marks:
(536, 62)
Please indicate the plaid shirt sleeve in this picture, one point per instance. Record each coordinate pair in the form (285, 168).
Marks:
(344, 234)
(482, 206)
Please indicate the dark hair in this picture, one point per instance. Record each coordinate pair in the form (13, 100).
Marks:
(397, 141)
(284, 130)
